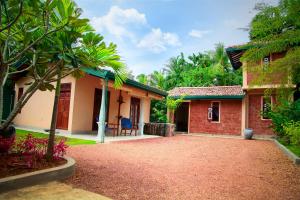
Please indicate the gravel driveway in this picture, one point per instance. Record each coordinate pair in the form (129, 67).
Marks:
(186, 167)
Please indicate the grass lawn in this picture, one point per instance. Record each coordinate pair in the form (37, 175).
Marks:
(21, 134)
(293, 148)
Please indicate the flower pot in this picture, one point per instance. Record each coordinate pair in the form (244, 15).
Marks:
(248, 133)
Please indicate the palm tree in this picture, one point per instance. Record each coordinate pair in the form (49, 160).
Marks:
(157, 79)
(142, 78)
(174, 70)
(220, 57)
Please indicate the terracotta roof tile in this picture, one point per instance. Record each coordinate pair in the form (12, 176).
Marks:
(207, 91)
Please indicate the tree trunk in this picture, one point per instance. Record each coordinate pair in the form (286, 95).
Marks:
(2, 83)
(1, 103)
(171, 116)
(50, 149)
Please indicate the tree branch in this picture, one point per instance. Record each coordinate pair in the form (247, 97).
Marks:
(24, 98)
(33, 43)
(20, 71)
(65, 75)
(17, 17)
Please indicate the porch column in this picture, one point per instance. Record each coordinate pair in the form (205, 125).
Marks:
(102, 114)
(141, 120)
(245, 113)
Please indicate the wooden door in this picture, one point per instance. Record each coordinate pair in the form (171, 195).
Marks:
(135, 111)
(64, 106)
(97, 106)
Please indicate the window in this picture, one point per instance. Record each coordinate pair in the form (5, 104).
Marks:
(266, 106)
(266, 61)
(215, 111)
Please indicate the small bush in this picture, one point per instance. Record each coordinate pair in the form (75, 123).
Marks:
(6, 144)
(33, 150)
(283, 113)
(292, 131)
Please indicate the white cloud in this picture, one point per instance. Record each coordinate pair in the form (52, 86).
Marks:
(158, 41)
(198, 33)
(117, 21)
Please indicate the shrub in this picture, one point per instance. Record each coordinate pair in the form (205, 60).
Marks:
(7, 139)
(292, 130)
(283, 113)
(6, 143)
(158, 111)
(33, 150)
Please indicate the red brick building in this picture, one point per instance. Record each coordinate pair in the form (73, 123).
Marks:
(229, 109)
(214, 110)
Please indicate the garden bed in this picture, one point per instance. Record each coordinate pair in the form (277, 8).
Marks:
(54, 173)
(292, 151)
(12, 164)
(293, 148)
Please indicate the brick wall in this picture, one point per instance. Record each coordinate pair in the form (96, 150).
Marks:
(230, 118)
(258, 125)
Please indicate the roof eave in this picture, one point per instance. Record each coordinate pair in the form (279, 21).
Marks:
(110, 75)
(210, 97)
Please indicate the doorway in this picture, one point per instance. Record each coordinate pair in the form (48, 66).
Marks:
(181, 117)
(135, 111)
(97, 106)
(63, 106)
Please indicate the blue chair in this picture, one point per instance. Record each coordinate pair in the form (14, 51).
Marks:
(126, 124)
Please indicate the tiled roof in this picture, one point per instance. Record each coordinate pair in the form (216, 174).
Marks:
(207, 91)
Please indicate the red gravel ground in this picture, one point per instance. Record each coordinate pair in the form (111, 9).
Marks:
(186, 167)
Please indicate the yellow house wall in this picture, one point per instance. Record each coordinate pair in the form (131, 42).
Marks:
(37, 112)
(84, 102)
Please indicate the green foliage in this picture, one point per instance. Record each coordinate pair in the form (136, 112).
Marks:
(142, 78)
(293, 148)
(202, 69)
(157, 79)
(283, 113)
(276, 29)
(292, 130)
(97, 54)
(172, 103)
(49, 38)
(158, 111)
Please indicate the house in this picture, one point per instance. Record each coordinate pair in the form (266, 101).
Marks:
(80, 108)
(214, 110)
(230, 109)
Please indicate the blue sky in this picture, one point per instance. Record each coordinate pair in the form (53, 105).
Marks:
(149, 32)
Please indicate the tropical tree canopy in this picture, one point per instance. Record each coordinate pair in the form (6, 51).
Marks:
(36, 36)
(142, 78)
(201, 69)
